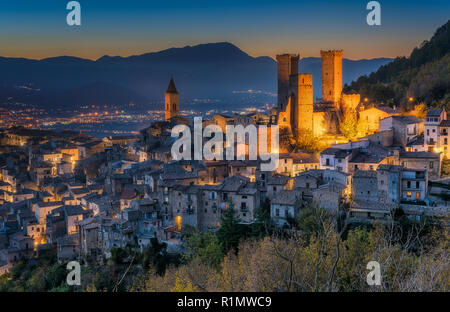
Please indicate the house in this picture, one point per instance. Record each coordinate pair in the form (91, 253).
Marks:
(330, 196)
(416, 144)
(43, 209)
(371, 117)
(433, 119)
(285, 206)
(277, 183)
(422, 160)
(335, 159)
(405, 128)
(365, 186)
(389, 183)
(414, 185)
(68, 248)
(444, 138)
(307, 181)
(369, 158)
(304, 162)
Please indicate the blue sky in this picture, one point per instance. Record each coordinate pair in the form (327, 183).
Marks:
(38, 29)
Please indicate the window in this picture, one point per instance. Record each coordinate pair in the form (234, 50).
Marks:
(274, 188)
(408, 194)
(307, 185)
(417, 195)
(408, 184)
(431, 164)
(417, 184)
(277, 212)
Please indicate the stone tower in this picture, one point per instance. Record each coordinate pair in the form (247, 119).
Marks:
(172, 101)
(332, 76)
(303, 119)
(287, 66)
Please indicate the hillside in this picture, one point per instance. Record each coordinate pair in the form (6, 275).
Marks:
(424, 76)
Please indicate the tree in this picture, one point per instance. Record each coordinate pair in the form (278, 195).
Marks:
(206, 246)
(262, 225)
(349, 125)
(231, 230)
(307, 142)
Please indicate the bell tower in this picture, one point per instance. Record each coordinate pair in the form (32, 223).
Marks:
(171, 101)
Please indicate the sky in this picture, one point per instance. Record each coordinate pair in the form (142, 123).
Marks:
(38, 29)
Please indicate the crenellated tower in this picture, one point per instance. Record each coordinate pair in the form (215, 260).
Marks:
(332, 76)
(287, 66)
(303, 119)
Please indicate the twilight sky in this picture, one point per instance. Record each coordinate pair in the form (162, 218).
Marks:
(38, 29)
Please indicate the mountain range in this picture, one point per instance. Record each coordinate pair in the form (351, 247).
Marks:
(212, 70)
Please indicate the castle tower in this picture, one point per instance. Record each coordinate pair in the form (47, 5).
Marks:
(332, 75)
(303, 119)
(171, 101)
(287, 66)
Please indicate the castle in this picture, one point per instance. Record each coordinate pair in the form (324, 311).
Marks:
(296, 109)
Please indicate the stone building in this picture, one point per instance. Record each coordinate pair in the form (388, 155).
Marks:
(332, 76)
(371, 117)
(405, 128)
(171, 101)
(295, 96)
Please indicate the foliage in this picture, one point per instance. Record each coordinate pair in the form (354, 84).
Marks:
(307, 142)
(231, 230)
(206, 246)
(262, 226)
(349, 125)
(424, 76)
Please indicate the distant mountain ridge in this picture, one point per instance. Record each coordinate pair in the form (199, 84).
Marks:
(212, 70)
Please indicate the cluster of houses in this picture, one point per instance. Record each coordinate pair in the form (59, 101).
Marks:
(83, 196)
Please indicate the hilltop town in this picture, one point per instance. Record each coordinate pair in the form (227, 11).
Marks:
(82, 197)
